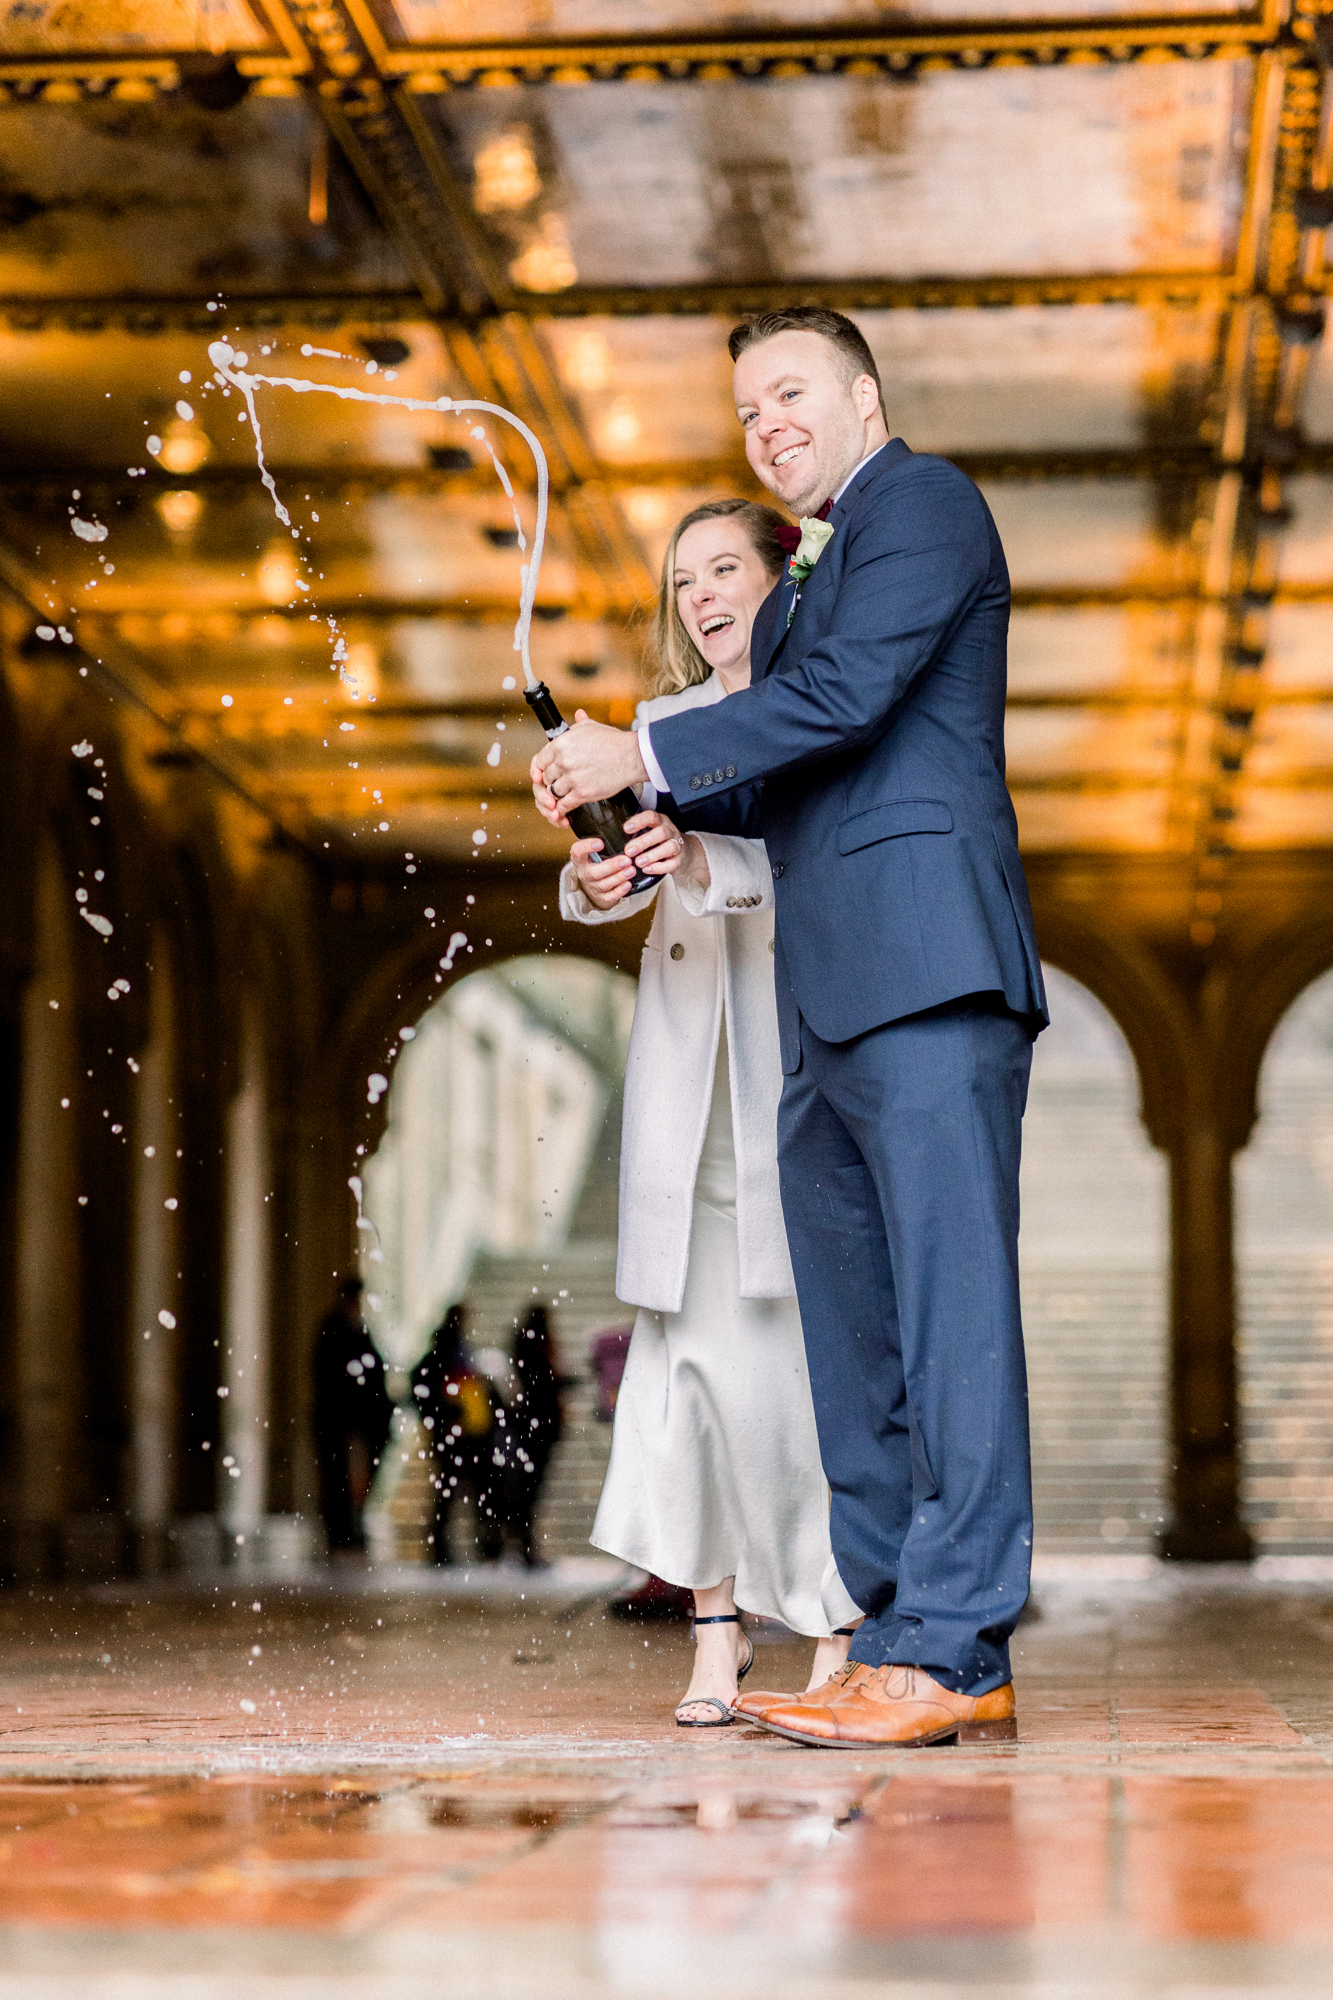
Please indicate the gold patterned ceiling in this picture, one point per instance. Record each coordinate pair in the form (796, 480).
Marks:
(1088, 250)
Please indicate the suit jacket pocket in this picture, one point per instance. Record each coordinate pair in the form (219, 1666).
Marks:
(886, 822)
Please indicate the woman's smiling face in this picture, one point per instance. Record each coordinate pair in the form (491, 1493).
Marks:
(720, 584)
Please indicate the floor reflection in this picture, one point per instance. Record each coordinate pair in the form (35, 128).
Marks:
(1167, 1811)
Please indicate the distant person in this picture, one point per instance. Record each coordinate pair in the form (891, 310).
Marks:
(461, 1413)
(353, 1417)
(536, 1423)
(715, 1482)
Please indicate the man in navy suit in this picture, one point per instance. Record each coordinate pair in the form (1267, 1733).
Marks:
(869, 753)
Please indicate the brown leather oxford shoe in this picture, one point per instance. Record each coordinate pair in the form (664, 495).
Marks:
(756, 1704)
(894, 1706)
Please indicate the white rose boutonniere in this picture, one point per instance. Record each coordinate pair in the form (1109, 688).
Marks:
(814, 536)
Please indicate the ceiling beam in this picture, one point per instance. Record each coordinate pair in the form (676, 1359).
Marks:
(182, 625)
(1264, 354)
(347, 44)
(733, 299)
(1170, 462)
(34, 313)
(892, 50)
(320, 312)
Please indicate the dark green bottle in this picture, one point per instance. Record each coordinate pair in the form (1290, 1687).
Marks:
(605, 819)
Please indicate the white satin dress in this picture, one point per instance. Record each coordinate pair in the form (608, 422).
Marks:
(714, 1459)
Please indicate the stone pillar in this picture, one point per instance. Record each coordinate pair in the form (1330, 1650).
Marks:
(243, 1483)
(1206, 1524)
(156, 1283)
(49, 1263)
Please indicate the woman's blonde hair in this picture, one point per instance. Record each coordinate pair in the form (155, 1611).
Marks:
(674, 661)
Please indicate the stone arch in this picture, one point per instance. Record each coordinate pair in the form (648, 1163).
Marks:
(1284, 1249)
(1145, 1004)
(494, 1184)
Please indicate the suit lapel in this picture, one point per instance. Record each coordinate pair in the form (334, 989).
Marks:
(771, 625)
(770, 629)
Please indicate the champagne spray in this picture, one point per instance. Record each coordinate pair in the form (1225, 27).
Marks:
(603, 820)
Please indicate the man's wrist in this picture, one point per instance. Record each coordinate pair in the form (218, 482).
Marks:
(652, 770)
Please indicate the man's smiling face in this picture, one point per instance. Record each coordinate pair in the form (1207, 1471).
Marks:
(806, 425)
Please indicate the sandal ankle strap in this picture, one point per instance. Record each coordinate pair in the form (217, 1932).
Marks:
(727, 1618)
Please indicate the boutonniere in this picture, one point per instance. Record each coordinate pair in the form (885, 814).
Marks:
(814, 535)
(804, 546)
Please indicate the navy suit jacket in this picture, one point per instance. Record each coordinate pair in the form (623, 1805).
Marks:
(869, 754)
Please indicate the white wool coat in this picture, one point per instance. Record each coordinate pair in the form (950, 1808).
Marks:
(707, 950)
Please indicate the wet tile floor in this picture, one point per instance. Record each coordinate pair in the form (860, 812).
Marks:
(269, 1790)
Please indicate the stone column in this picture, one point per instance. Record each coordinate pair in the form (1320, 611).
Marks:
(156, 1284)
(1206, 1526)
(243, 1472)
(49, 1273)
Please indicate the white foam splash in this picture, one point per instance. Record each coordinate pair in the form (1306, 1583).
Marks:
(232, 370)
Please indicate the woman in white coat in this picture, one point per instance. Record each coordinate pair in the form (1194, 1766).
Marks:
(715, 1482)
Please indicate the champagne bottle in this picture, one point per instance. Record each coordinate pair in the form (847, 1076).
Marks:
(605, 819)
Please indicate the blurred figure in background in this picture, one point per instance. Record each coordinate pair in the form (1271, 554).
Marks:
(536, 1423)
(461, 1413)
(352, 1417)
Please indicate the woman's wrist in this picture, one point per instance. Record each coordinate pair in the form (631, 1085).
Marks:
(694, 867)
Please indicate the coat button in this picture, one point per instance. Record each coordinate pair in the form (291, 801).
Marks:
(678, 951)
(730, 771)
(695, 784)
(779, 869)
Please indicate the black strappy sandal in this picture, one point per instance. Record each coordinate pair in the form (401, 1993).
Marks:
(725, 1714)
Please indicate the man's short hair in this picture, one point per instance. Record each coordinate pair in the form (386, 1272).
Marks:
(843, 334)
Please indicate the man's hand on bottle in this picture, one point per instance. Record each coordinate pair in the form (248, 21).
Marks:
(655, 846)
(590, 761)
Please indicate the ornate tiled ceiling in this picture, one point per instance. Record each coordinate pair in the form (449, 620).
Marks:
(1086, 248)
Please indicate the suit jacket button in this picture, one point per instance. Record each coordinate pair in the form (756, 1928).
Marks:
(695, 784)
(730, 771)
(678, 951)
(779, 869)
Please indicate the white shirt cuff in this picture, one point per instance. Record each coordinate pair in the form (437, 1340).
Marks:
(656, 775)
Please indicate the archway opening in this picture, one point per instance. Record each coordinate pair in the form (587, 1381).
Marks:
(495, 1184)
(1284, 1256)
(1094, 1258)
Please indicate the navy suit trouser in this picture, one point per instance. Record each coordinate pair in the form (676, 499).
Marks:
(899, 1157)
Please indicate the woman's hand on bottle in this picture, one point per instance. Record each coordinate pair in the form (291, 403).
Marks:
(604, 883)
(654, 846)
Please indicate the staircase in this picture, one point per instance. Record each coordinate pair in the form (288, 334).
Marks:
(1095, 1333)
(577, 1286)
(1286, 1392)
